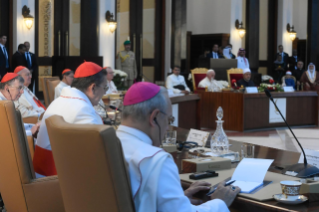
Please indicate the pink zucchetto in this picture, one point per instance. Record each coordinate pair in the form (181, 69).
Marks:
(140, 92)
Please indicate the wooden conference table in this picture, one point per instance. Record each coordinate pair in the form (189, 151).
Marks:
(252, 111)
(281, 159)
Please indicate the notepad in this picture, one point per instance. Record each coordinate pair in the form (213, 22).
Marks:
(250, 173)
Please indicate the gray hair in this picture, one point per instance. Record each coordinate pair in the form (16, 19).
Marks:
(10, 82)
(140, 111)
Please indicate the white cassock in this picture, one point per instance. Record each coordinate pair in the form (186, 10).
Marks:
(58, 89)
(241, 63)
(75, 108)
(27, 104)
(212, 85)
(27, 127)
(154, 177)
(112, 87)
(173, 80)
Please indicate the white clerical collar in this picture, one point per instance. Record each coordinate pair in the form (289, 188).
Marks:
(135, 133)
(64, 84)
(2, 96)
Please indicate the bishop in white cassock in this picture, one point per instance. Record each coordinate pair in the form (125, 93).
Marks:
(28, 103)
(210, 83)
(67, 79)
(153, 174)
(11, 89)
(75, 105)
(176, 82)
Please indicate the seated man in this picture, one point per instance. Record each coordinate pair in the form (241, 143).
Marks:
(28, 103)
(109, 81)
(210, 82)
(298, 72)
(279, 68)
(246, 81)
(146, 115)
(288, 80)
(177, 82)
(310, 79)
(11, 88)
(75, 105)
(66, 81)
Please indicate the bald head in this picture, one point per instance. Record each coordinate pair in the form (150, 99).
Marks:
(26, 75)
(211, 74)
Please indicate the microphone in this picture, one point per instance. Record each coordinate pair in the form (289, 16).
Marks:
(114, 108)
(299, 170)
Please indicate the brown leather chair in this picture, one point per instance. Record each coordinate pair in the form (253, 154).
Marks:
(45, 89)
(91, 167)
(20, 190)
(51, 84)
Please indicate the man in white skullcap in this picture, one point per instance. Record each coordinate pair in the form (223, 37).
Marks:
(155, 183)
(310, 78)
(246, 80)
(210, 83)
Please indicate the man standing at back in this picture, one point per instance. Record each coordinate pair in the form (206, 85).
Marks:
(32, 65)
(18, 58)
(75, 105)
(153, 173)
(4, 58)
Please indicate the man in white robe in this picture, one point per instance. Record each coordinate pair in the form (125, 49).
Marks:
(75, 105)
(153, 174)
(109, 81)
(176, 82)
(11, 88)
(66, 81)
(242, 61)
(210, 83)
(28, 103)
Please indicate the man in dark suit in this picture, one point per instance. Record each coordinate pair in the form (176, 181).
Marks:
(18, 58)
(4, 58)
(32, 65)
(284, 56)
(292, 61)
(298, 72)
(214, 54)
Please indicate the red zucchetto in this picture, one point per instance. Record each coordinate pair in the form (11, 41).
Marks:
(8, 76)
(87, 69)
(66, 70)
(18, 69)
(140, 92)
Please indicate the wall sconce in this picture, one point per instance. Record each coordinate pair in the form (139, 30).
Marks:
(292, 32)
(28, 19)
(112, 23)
(241, 30)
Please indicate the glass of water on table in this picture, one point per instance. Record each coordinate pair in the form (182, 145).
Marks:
(170, 137)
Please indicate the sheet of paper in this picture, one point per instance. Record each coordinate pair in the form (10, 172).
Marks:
(289, 89)
(198, 136)
(312, 157)
(246, 187)
(251, 90)
(252, 170)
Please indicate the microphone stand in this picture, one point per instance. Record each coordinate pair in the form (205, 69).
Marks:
(302, 170)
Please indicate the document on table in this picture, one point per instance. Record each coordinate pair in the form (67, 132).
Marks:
(250, 173)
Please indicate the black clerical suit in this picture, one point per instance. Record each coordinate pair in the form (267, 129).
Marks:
(18, 59)
(298, 73)
(32, 65)
(292, 61)
(4, 62)
(211, 55)
(244, 83)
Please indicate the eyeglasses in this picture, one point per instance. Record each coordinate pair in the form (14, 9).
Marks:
(170, 118)
(19, 88)
(106, 88)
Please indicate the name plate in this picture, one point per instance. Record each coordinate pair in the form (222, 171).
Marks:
(198, 136)
(312, 157)
(289, 89)
(251, 90)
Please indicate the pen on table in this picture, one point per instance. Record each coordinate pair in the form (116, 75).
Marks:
(227, 184)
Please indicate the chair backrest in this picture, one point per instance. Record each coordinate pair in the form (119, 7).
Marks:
(198, 74)
(16, 166)
(51, 84)
(45, 88)
(234, 73)
(91, 168)
(284, 78)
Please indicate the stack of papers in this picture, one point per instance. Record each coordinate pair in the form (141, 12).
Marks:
(250, 173)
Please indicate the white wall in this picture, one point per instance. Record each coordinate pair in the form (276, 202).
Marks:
(285, 13)
(106, 38)
(20, 32)
(235, 13)
(168, 27)
(263, 29)
(208, 16)
(300, 11)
